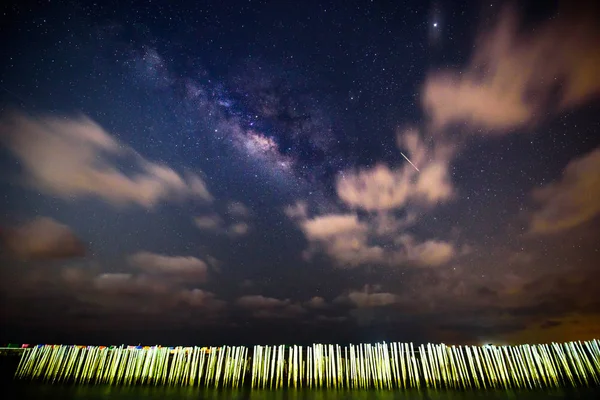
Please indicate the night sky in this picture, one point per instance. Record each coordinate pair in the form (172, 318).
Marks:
(261, 172)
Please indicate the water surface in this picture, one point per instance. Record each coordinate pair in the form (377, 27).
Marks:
(71, 392)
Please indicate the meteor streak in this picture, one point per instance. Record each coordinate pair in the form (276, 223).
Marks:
(410, 162)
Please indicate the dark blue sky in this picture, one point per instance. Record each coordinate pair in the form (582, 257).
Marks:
(236, 171)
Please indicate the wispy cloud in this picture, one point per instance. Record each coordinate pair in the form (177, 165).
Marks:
(180, 267)
(269, 307)
(124, 283)
(73, 158)
(515, 78)
(237, 215)
(209, 222)
(367, 298)
(431, 253)
(238, 209)
(299, 210)
(239, 229)
(571, 201)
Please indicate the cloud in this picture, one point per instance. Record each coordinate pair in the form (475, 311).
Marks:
(299, 210)
(138, 294)
(124, 299)
(238, 209)
(385, 223)
(201, 299)
(430, 253)
(343, 237)
(269, 307)
(74, 277)
(209, 222)
(352, 242)
(43, 239)
(316, 302)
(366, 298)
(377, 188)
(214, 263)
(520, 258)
(514, 77)
(239, 229)
(122, 283)
(216, 224)
(176, 266)
(573, 200)
(72, 158)
(378, 237)
(327, 226)
(382, 188)
(258, 301)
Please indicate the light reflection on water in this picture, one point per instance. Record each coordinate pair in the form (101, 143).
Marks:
(38, 391)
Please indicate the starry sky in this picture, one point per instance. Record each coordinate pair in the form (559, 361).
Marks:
(261, 172)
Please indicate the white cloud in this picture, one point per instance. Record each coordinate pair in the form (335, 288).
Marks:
(299, 210)
(239, 229)
(238, 209)
(343, 237)
(430, 253)
(72, 158)
(351, 242)
(326, 226)
(236, 212)
(571, 201)
(382, 188)
(176, 266)
(386, 223)
(377, 188)
(209, 222)
(513, 76)
(433, 183)
(373, 238)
